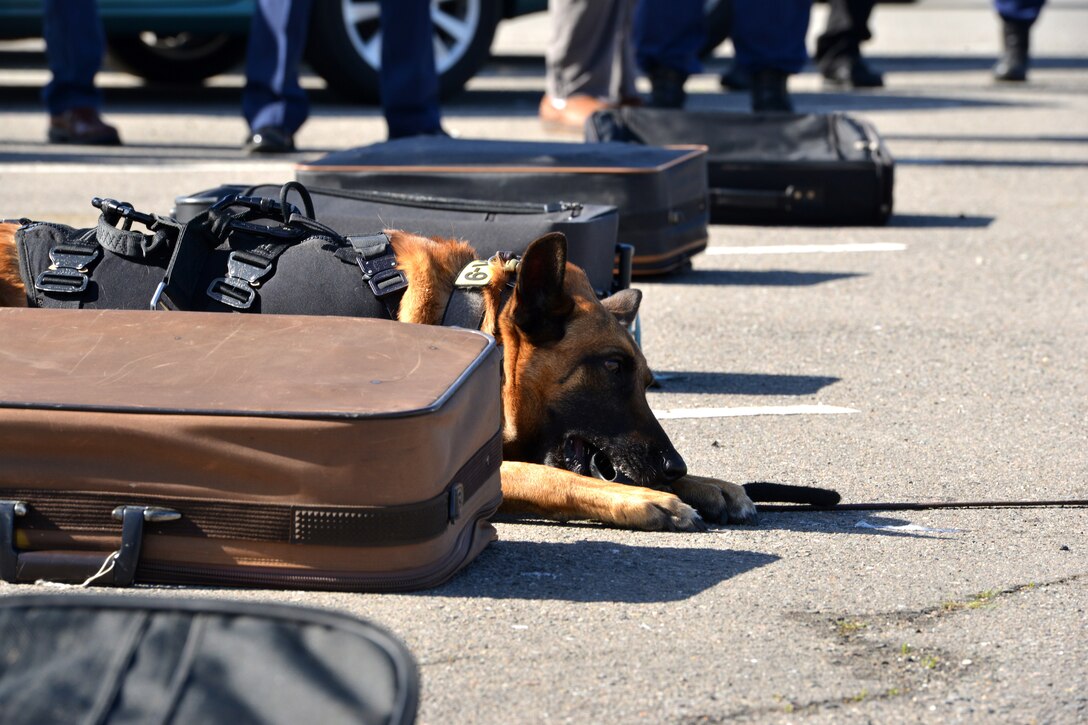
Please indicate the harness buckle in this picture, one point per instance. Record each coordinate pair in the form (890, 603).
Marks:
(72, 257)
(63, 280)
(387, 282)
(233, 292)
(244, 273)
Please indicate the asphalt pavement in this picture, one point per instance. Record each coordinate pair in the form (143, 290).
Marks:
(955, 338)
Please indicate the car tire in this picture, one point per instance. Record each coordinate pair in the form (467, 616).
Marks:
(186, 58)
(718, 24)
(344, 43)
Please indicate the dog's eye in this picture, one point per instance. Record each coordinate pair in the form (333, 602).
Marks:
(613, 365)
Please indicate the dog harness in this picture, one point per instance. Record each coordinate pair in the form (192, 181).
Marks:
(245, 254)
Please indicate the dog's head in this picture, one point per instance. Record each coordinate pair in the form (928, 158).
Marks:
(574, 395)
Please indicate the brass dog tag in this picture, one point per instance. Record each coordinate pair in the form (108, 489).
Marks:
(476, 273)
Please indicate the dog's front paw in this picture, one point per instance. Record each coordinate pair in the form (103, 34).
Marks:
(717, 501)
(650, 510)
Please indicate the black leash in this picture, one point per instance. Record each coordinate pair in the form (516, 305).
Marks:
(925, 506)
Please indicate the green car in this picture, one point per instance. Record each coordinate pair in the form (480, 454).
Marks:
(186, 41)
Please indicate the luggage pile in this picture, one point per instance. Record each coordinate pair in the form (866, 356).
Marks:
(285, 450)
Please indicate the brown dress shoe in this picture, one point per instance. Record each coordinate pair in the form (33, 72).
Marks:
(569, 114)
(82, 126)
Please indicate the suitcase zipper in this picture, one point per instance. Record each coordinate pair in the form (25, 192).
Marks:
(449, 204)
(437, 573)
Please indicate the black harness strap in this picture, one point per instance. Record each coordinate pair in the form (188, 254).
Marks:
(62, 285)
(467, 304)
(245, 270)
(376, 260)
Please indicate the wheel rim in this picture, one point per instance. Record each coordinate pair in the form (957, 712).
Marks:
(455, 24)
(184, 46)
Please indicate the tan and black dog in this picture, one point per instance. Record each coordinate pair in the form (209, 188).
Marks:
(573, 391)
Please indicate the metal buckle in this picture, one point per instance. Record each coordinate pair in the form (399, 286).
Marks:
(236, 293)
(387, 282)
(247, 269)
(72, 257)
(236, 288)
(65, 280)
(9, 557)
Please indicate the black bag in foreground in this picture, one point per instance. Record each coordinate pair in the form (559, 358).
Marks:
(772, 168)
(660, 192)
(113, 659)
(489, 226)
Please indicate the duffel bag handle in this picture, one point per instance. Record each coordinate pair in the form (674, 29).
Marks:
(788, 199)
(118, 568)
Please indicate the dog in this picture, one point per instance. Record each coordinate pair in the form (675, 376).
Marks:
(573, 389)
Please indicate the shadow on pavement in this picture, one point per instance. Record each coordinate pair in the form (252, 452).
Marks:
(753, 278)
(671, 381)
(597, 571)
(842, 522)
(981, 138)
(939, 221)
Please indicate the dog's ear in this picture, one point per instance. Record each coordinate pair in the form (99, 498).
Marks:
(624, 305)
(543, 305)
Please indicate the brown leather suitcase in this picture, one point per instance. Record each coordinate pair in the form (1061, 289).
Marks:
(244, 450)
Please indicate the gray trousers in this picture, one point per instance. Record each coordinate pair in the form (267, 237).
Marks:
(591, 51)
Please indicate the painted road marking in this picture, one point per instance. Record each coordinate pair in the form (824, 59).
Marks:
(678, 413)
(157, 167)
(810, 248)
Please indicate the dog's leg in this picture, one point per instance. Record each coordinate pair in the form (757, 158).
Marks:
(531, 488)
(12, 293)
(715, 500)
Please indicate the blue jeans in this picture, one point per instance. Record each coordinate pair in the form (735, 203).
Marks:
(669, 34)
(277, 37)
(409, 81)
(770, 34)
(1025, 11)
(74, 43)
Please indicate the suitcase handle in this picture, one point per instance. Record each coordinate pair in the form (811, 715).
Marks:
(117, 569)
(625, 256)
(786, 200)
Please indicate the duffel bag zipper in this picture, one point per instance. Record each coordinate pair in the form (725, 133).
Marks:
(437, 573)
(449, 204)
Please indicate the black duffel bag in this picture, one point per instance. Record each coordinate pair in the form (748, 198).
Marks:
(112, 660)
(772, 168)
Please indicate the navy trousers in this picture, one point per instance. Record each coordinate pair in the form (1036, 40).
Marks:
(74, 43)
(770, 34)
(277, 37)
(669, 34)
(409, 81)
(1019, 10)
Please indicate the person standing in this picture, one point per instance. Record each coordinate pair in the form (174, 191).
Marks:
(1017, 17)
(74, 46)
(838, 49)
(274, 104)
(590, 62)
(769, 40)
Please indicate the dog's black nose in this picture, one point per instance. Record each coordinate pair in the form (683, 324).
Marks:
(674, 466)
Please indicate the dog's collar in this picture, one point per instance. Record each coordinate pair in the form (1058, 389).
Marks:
(467, 305)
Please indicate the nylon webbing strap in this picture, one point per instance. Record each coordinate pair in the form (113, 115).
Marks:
(301, 524)
(378, 264)
(245, 270)
(62, 285)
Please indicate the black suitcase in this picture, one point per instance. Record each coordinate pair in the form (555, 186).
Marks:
(660, 192)
(772, 168)
(489, 226)
(113, 659)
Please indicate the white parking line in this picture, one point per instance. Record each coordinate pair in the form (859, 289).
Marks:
(677, 413)
(158, 167)
(810, 248)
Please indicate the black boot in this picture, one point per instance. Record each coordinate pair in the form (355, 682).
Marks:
(667, 88)
(769, 92)
(737, 78)
(850, 72)
(1013, 63)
